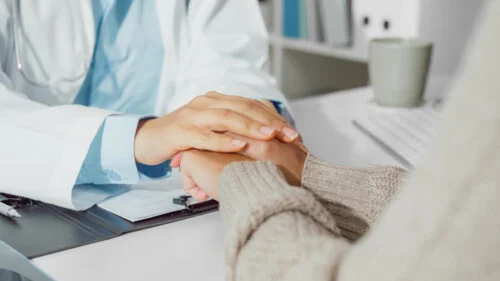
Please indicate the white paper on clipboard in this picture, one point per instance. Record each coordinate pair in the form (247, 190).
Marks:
(147, 200)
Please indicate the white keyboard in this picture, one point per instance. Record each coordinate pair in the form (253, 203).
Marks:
(405, 133)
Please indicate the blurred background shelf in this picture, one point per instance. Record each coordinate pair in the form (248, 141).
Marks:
(306, 66)
(317, 48)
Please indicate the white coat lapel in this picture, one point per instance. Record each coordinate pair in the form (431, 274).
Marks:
(171, 18)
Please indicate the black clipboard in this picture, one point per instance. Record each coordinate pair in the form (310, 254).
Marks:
(45, 229)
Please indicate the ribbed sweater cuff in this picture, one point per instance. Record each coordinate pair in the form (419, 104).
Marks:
(250, 193)
(351, 192)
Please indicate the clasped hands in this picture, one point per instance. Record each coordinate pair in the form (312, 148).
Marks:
(214, 130)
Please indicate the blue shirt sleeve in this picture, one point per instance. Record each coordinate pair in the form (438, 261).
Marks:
(283, 111)
(111, 159)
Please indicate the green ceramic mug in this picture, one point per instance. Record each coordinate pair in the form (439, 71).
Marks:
(398, 70)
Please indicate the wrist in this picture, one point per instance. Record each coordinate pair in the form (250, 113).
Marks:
(145, 143)
(293, 176)
(301, 163)
(140, 124)
(293, 170)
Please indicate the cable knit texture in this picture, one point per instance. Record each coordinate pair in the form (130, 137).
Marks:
(441, 225)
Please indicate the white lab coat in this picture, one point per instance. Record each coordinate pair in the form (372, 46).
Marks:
(216, 45)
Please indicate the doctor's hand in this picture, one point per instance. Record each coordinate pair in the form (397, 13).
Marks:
(201, 171)
(289, 157)
(199, 124)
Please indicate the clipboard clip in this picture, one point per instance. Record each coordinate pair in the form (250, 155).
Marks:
(17, 202)
(195, 207)
(183, 200)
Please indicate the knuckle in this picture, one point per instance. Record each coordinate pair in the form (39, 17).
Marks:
(194, 117)
(278, 124)
(252, 105)
(195, 100)
(224, 113)
(212, 93)
(219, 141)
(244, 123)
(201, 100)
(185, 112)
(248, 125)
(240, 121)
(203, 136)
(267, 103)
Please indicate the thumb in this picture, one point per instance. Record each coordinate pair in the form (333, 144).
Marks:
(176, 160)
(192, 188)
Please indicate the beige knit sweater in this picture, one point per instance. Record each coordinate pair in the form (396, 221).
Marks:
(443, 224)
(274, 227)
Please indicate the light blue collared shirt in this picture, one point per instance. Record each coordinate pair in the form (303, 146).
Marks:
(123, 77)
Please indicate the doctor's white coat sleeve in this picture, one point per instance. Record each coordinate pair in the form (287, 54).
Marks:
(224, 48)
(41, 148)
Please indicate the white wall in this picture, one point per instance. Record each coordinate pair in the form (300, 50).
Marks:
(448, 23)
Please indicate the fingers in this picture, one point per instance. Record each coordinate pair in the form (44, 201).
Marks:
(257, 111)
(191, 188)
(268, 106)
(223, 120)
(253, 109)
(198, 194)
(175, 162)
(267, 150)
(259, 150)
(207, 140)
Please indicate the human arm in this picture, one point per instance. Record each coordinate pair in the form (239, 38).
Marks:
(110, 158)
(274, 230)
(50, 143)
(355, 196)
(123, 139)
(42, 147)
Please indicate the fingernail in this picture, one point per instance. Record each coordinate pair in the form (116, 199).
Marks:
(238, 143)
(290, 133)
(267, 131)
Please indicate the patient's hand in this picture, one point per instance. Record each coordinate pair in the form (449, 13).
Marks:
(201, 171)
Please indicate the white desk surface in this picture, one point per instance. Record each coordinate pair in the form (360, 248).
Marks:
(193, 249)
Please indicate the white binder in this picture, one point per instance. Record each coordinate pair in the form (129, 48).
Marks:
(336, 21)
(313, 23)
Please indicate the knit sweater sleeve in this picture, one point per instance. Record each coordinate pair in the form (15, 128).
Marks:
(354, 196)
(275, 231)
